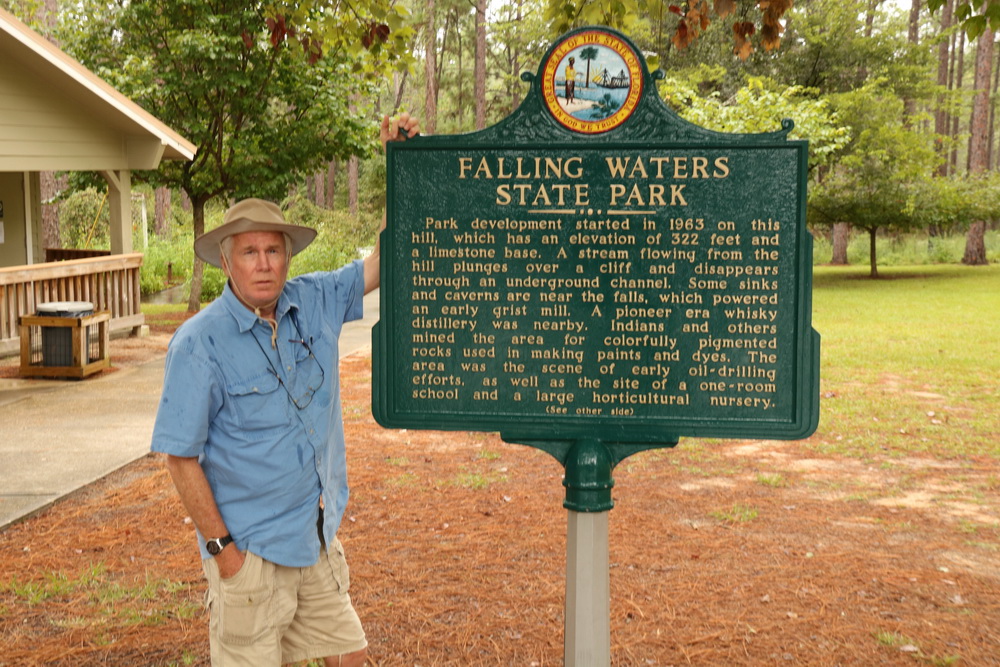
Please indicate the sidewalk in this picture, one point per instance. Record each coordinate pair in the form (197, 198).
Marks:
(59, 436)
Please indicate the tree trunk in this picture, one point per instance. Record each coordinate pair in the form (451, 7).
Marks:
(992, 113)
(914, 38)
(872, 253)
(399, 84)
(975, 243)
(331, 185)
(841, 237)
(352, 185)
(198, 267)
(941, 117)
(49, 190)
(429, 121)
(319, 191)
(958, 52)
(161, 212)
(439, 74)
(480, 66)
(460, 83)
(515, 98)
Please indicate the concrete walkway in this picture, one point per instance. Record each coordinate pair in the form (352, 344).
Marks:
(59, 436)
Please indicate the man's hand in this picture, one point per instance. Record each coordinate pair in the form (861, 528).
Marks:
(402, 127)
(230, 561)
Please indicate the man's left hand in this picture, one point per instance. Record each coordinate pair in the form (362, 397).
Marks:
(402, 127)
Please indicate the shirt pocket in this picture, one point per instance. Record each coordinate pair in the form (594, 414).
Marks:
(258, 402)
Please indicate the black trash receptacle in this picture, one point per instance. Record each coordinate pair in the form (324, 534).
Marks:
(57, 342)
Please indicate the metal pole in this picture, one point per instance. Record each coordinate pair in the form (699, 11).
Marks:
(588, 592)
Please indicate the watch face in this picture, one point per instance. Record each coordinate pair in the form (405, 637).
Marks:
(213, 547)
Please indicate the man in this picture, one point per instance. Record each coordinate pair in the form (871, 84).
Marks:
(571, 82)
(251, 423)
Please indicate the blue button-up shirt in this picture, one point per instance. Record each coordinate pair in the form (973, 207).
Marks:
(266, 422)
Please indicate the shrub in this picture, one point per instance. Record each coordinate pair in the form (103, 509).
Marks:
(84, 220)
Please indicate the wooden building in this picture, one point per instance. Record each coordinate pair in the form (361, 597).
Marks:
(55, 115)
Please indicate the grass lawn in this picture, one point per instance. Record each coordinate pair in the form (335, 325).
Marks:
(910, 361)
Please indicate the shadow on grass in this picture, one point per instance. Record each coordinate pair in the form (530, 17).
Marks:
(829, 276)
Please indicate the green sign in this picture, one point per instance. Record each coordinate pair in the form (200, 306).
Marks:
(594, 267)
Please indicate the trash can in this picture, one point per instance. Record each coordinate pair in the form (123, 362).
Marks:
(57, 342)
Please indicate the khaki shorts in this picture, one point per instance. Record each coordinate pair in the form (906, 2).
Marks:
(269, 614)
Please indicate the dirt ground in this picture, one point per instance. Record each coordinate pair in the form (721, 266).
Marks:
(722, 553)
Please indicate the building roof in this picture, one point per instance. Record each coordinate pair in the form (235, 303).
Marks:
(52, 72)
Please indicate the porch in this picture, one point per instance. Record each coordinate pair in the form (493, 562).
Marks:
(111, 283)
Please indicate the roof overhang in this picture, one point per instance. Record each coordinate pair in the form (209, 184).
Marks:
(148, 140)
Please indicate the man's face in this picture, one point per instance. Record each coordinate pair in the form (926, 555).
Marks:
(258, 267)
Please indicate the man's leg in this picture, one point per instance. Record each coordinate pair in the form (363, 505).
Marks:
(243, 628)
(325, 623)
(356, 659)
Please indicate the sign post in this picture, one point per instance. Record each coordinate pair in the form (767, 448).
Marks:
(594, 276)
(588, 485)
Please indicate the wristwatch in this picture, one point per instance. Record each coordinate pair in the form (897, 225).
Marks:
(217, 544)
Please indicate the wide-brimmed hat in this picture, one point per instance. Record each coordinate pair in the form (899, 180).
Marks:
(251, 215)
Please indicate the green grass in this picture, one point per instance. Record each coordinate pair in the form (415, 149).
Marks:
(161, 599)
(477, 480)
(902, 643)
(738, 513)
(773, 480)
(910, 361)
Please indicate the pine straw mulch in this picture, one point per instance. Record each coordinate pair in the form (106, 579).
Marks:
(723, 553)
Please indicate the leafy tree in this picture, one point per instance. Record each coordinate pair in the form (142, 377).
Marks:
(761, 106)
(953, 203)
(264, 104)
(834, 50)
(871, 183)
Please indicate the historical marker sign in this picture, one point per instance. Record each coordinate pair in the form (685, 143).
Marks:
(596, 267)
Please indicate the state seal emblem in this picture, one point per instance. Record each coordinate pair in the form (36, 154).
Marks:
(592, 82)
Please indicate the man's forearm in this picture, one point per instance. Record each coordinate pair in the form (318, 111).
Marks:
(198, 499)
(372, 277)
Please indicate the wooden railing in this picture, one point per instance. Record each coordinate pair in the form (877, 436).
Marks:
(63, 254)
(110, 283)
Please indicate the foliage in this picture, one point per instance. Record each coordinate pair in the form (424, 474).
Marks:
(974, 15)
(340, 240)
(163, 257)
(264, 103)
(29, 12)
(831, 51)
(955, 202)
(84, 220)
(760, 106)
(259, 114)
(689, 19)
(374, 35)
